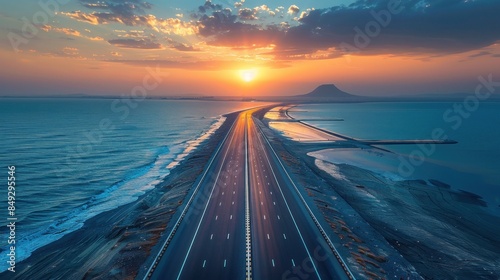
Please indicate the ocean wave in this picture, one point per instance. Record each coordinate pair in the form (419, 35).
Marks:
(127, 190)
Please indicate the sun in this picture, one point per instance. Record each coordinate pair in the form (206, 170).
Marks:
(248, 75)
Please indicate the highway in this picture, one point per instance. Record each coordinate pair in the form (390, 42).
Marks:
(246, 220)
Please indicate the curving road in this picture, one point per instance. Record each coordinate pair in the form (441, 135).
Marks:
(246, 221)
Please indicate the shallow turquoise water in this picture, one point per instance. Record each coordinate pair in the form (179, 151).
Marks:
(472, 165)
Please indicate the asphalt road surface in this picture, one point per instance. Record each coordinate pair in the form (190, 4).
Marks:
(246, 220)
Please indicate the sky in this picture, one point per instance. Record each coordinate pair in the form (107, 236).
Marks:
(247, 48)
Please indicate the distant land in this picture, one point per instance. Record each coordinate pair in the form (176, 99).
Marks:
(328, 93)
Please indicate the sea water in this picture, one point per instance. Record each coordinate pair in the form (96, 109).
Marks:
(76, 158)
(472, 165)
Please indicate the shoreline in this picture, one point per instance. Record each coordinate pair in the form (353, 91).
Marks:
(365, 250)
(115, 244)
(438, 232)
(383, 228)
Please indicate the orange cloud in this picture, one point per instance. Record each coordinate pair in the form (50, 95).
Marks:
(81, 16)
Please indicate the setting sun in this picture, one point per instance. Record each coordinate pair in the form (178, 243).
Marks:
(248, 75)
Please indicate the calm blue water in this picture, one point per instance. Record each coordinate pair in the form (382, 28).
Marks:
(473, 164)
(76, 158)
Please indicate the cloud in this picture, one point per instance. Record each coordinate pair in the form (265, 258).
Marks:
(416, 27)
(247, 14)
(118, 7)
(90, 18)
(70, 51)
(293, 9)
(130, 13)
(443, 27)
(482, 53)
(180, 46)
(174, 64)
(135, 44)
(209, 6)
(224, 29)
(183, 47)
(106, 17)
(69, 31)
(131, 34)
(210, 65)
(263, 8)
